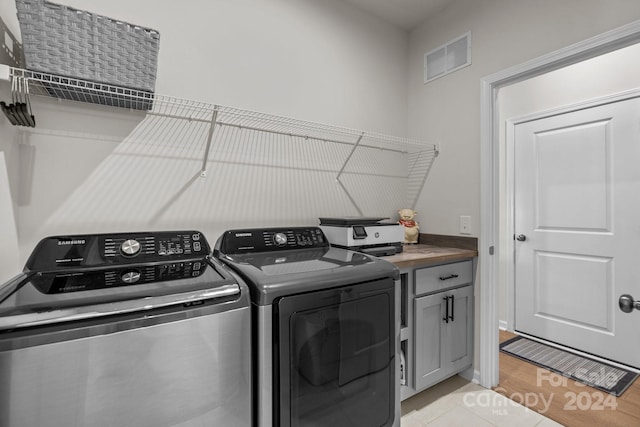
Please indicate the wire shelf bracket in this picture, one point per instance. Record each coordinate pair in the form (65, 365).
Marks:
(212, 127)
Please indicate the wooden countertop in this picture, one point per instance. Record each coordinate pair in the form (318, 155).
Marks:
(425, 255)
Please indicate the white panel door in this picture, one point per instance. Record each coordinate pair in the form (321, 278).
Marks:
(577, 229)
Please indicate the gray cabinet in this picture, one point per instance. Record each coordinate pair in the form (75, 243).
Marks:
(438, 333)
(443, 335)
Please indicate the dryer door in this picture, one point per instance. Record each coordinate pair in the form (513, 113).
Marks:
(336, 352)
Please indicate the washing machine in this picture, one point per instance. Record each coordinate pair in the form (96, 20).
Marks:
(125, 329)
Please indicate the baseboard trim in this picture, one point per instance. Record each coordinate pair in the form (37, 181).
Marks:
(471, 375)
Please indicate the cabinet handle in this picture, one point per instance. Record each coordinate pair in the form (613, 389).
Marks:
(452, 276)
(446, 313)
(449, 315)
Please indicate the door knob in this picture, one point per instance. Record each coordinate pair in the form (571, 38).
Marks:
(627, 304)
(521, 238)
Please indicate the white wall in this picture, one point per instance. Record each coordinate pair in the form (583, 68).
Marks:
(94, 169)
(505, 33)
(321, 61)
(9, 258)
(607, 74)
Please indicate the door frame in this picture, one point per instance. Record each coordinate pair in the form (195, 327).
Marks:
(491, 167)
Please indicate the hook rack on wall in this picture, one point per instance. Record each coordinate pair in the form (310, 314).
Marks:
(19, 111)
(420, 155)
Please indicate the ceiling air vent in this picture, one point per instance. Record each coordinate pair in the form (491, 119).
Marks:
(447, 58)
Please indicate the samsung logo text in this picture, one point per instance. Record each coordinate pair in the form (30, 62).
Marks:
(71, 242)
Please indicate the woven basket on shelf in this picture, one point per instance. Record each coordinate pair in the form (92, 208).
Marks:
(61, 40)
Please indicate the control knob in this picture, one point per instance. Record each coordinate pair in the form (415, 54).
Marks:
(280, 239)
(131, 276)
(130, 247)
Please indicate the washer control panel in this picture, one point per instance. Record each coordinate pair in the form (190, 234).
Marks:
(270, 239)
(162, 246)
(80, 251)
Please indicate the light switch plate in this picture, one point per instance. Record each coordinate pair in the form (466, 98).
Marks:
(465, 224)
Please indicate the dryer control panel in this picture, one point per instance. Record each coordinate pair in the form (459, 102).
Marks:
(270, 239)
(96, 250)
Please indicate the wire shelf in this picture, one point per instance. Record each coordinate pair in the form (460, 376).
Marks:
(420, 155)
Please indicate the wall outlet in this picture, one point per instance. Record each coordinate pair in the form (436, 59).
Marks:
(465, 224)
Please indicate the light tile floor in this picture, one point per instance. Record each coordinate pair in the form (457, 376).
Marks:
(457, 402)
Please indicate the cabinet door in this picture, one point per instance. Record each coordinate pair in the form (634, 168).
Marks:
(459, 331)
(430, 365)
(443, 347)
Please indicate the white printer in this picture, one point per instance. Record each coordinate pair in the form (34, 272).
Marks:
(372, 235)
